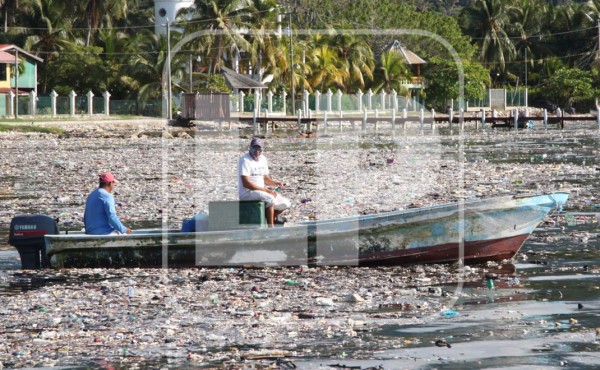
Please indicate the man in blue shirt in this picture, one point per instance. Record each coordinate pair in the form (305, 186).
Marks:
(100, 217)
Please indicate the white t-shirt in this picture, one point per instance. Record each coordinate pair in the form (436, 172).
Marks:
(255, 170)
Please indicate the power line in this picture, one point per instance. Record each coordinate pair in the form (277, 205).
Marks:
(551, 58)
(540, 36)
(176, 23)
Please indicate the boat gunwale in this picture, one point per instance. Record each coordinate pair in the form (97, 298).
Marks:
(472, 204)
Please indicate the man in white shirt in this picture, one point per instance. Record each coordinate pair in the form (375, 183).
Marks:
(253, 179)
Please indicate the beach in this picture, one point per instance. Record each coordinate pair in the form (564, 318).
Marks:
(306, 316)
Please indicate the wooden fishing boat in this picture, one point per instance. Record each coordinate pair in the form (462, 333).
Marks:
(473, 231)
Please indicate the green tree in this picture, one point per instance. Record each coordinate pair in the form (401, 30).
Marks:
(80, 69)
(50, 36)
(392, 73)
(357, 57)
(569, 86)
(325, 67)
(94, 11)
(487, 22)
(117, 48)
(529, 32)
(443, 81)
(227, 19)
(145, 66)
(262, 44)
(213, 83)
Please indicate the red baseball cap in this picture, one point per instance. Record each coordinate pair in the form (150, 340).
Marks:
(107, 177)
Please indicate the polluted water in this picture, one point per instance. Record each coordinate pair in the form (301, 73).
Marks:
(538, 310)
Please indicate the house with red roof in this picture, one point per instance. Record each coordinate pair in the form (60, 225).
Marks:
(21, 83)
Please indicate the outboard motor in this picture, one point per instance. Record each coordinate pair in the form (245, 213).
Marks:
(27, 235)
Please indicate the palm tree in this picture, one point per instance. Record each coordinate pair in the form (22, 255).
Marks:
(358, 57)
(228, 20)
(52, 33)
(391, 73)
(530, 34)
(326, 68)
(95, 10)
(262, 44)
(145, 68)
(10, 9)
(591, 14)
(487, 22)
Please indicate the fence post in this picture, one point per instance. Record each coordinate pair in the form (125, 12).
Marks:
(32, 102)
(598, 117)
(53, 96)
(255, 122)
(339, 101)
(305, 102)
(559, 114)
(266, 111)
(325, 124)
(90, 101)
(241, 97)
(284, 98)
(370, 99)
(450, 117)
(516, 118)
(317, 101)
(422, 118)
(329, 95)
(72, 96)
(106, 96)
(404, 116)
(393, 120)
(394, 100)
(359, 96)
(270, 101)
(11, 103)
(432, 119)
(364, 120)
(383, 94)
(300, 120)
(482, 110)
(461, 119)
(256, 100)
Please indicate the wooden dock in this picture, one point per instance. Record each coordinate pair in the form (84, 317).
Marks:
(309, 123)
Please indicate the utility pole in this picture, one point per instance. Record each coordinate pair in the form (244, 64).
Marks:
(526, 91)
(191, 71)
(525, 66)
(16, 83)
(169, 113)
(292, 67)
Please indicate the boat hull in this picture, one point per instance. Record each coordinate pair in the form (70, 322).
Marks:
(474, 231)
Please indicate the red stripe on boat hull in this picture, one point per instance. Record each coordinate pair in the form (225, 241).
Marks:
(474, 252)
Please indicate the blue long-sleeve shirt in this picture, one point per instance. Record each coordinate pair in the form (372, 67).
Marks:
(100, 217)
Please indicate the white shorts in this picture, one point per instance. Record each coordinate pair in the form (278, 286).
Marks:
(279, 202)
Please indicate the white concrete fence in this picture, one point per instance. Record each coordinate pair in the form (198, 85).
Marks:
(328, 102)
(33, 102)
